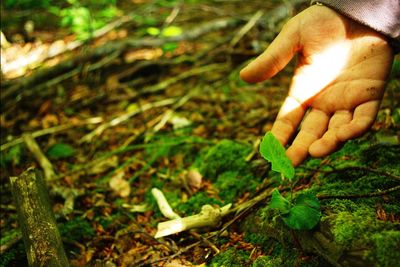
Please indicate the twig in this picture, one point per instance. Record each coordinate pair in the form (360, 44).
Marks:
(356, 168)
(69, 195)
(52, 130)
(183, 250)
(46, 165)
(205, 240)
(99, 130)
(163, 204)
(247, 27)
(354, 196)
(170, 112)
(174, 13)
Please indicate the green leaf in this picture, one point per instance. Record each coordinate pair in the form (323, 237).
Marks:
(153, 31)
(309, 200)
(169, 47)
(302, 217)
(60, 150)
(305, 214)
(171, 31)
(13, 156)
(272, 150)
(279, 202)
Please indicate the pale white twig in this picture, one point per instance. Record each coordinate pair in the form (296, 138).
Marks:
(163, 204)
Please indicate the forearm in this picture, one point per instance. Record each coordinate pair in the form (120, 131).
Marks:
(382, 16)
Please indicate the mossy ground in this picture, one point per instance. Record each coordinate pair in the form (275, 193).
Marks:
(370, 224)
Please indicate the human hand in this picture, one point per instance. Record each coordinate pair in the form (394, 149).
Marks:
(338, 83)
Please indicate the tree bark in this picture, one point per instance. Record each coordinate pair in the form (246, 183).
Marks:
(41, 237)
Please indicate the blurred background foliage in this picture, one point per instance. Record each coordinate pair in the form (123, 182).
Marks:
(79, 17)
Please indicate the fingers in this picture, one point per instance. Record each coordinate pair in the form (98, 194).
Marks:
(313, 127)
(288, 119)
(363, 118)
(329, 142)
(274, 58)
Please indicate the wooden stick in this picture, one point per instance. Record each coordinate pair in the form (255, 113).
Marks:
(41, 237)
(46, 165)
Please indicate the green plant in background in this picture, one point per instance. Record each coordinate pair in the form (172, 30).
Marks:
(12, 156)
(167, 32)
(84, 17)
(302, 213)
(60, 150)
(26, 4)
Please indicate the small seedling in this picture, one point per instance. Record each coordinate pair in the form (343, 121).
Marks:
(303, 213)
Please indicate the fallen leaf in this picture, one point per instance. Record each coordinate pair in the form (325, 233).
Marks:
(194, 179)
(119, 185)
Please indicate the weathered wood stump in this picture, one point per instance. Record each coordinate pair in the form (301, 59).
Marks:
(40, 234)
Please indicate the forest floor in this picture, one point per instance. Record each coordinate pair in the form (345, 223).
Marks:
(135, 109)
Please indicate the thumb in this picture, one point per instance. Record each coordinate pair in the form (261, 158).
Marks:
(275, 57)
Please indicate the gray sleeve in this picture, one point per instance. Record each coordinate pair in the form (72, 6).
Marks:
(380, 15)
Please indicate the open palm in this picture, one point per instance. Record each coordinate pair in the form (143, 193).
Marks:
(338, 83)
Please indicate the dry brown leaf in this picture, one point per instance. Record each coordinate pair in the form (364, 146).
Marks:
(194, 179)
(119, 185)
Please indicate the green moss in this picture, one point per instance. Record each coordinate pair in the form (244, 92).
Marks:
(232, 184)
(226, 156)
(358, 228)
(267, 261)
(257, 239)
(387, 248)
(230, 258)
(195, 202)
(76, 229)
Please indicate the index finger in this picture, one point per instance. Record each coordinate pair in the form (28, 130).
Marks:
(288, 119)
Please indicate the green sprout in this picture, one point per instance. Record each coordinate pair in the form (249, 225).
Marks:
(302, 213)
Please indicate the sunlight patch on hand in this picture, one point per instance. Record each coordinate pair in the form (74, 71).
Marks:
(322, 69)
